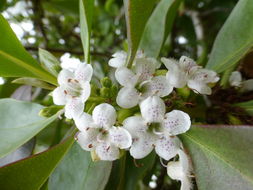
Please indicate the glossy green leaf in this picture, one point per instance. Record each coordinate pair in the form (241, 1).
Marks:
(15, 61)
(86, 13)
(234, 39)
(133, 173)
(19, 123)
(34, 82)
(222, 156)
(31, 173)
(77, 171)
(158, 27)
(137, 14)
(49, 62)
(248, 106)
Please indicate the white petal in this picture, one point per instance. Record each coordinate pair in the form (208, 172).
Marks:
(158, 86)
(119, 59)
(64, 76)
(177, 122)
(142, 145)
(120, 137)
(126, 77)
(136, 125)
(84, 121)
(104, 115)
(145, 68)
(167, 147)
(180, 170)
(87, 139)
(235, 79)
(152, 109)
(106, 151)
(74, 108)
(186, 63)
(247, 85)
(204, 76)
(175, 76)
(59, 96)
(127, 97)
(86, 90)
(83, 72)
(199, 87)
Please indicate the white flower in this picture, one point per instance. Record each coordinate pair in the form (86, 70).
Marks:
(235, 79)
(179, 71)
(156, 129)
(139, 82)
(74, 89)
(98, 133)
(180, 170)
(187, 72)
(199, 80)
(119, 59)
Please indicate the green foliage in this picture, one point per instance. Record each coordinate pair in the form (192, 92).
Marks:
(77, 171)
(32, 172)
(49, 62)
(234, 39)
(137, 14)
(34, 82)
(221, 156)
(27, 123)
(14, 60)
(86, 14)
(158, 27)
(248, 106)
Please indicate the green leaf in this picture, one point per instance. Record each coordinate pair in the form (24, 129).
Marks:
(234, 39)
(34, 82)
(158, 27)
(86, 14)
(19, 123)
(137, 14)
(133, 173)
(248, 106)
(49, 62)
(77, 171)
(15, 61)
(222, 156)
(31, 173)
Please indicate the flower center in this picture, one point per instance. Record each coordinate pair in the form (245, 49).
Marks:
(73, 88)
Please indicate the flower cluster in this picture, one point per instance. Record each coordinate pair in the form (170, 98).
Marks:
(143, 87)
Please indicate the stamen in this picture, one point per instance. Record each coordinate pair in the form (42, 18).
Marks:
(90, 145)
(136, 164)
(161, 161)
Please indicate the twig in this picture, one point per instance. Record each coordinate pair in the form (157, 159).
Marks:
(55, 50)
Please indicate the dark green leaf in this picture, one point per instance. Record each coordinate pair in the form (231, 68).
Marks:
(77, 171)
(234, 39)
(86, 13)
(137, 14)
(49, 62)
(19, 123)
(222, 156)
(159, 26)
(31, 173)
(15, 61)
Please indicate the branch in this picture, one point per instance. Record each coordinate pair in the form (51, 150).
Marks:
(55, 50)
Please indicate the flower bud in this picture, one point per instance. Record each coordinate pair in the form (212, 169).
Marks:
(49, 111)
(106, 82)
(105, 92)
